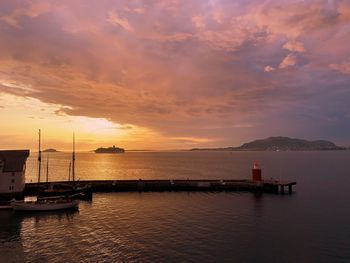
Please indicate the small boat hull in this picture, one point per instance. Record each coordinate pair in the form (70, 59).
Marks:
(83, 193)
(44, 206)
(5, 207)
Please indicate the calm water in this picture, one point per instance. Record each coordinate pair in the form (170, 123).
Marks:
(312, 225)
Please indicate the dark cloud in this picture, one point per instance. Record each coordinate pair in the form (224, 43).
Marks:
(180, 67)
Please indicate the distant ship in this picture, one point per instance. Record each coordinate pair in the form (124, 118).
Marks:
(110, 150)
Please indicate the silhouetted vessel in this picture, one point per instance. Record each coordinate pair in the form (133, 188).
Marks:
(45, 205)
(110, 150)
(68, 190)
(63, 189)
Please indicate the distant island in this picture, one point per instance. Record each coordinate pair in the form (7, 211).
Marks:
(110, 150)
(280, 144)
(50, 150)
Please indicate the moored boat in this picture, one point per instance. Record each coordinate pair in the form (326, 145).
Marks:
(57, 189)
(4, 205)
(71, 188)
(45, 205)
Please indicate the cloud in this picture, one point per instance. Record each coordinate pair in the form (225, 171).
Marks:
(289, 61)
(231, 37)
(29, 8)
(13, 86)
(191, 140)
(139, 10)
(198, 21)
(342, 67)
(269, 69)
(295, 18)
(178, 67)
(294, 46)
(115, 19)
(218, 16)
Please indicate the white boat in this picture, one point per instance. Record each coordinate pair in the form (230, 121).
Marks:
(45, 205)
(5, 205)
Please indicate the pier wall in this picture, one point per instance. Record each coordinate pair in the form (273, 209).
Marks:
(168, 185)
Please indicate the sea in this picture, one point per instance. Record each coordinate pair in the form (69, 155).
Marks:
(311, 225)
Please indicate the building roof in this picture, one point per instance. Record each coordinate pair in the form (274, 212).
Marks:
(14, 160)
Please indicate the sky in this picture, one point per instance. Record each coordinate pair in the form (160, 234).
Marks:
(173, 74)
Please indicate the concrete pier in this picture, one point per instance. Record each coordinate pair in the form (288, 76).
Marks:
(278, 187)
(268, 186)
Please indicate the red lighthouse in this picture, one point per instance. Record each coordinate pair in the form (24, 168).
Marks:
(256, 172)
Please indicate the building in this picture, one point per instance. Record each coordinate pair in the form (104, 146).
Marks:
(12, 173)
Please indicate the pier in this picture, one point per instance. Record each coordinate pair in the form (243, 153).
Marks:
(267, 186)
(256, 184)
(279, 187)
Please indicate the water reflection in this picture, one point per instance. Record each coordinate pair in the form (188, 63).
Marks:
(15, 227)
(39, 217)
(11, 248)
(199, 227)
(10, 226)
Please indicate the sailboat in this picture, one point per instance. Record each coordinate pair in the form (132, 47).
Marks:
(48, 204)
(45, 204)
(67, 189)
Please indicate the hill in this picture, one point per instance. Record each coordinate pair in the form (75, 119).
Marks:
(288, 144)
(50, 150)
(281, 144)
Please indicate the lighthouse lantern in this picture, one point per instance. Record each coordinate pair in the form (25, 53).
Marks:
(256, 172)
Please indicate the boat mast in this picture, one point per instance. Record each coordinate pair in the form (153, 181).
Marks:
(39, 157)
(47, 169)
(69, 168)
(73, 159)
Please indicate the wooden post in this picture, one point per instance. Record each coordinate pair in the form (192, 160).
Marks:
(69, 168)
(47, 170)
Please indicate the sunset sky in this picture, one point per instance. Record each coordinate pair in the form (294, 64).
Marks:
(171, 74)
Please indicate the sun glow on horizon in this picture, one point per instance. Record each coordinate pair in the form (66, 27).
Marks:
(57, 129)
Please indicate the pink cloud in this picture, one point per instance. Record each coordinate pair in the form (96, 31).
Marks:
(115, 19)
(269, 69)
(230, 37)
(342, 67)
(167, 65)
(29, 9)
(294, 46)
(198, 21)
(288, 61)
